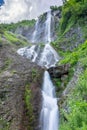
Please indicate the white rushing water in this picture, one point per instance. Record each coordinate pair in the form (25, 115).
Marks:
(47, 55)
(29, 52)
(34, 36)
(49, 113)
(48, 28)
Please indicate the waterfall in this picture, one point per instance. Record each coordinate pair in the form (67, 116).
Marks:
(47, 57)
(49, 113)
(34, 36)
(30, 52)
(48, 27)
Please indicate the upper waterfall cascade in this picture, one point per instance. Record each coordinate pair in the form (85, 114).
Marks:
(43, 54)
(48, 28)
(34, 36)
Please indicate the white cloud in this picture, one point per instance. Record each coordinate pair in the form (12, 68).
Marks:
(16, 10)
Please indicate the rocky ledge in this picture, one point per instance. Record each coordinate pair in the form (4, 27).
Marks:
(59, 71)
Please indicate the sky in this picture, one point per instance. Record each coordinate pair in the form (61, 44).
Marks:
(1, 2)
(17, 10)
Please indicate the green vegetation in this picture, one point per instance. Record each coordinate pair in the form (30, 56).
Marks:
(0, 41)
(13, 26)
(42, 17)
(4, 125)
(73, 18)
(75, 117)
(7, 62)
(78, 55)
(28, 99)
(41, 45)
(54, 8)
(12, 38)
(74, 15)
(73, 11)
(57, 82)
(29, 107)
(34, 74)
(7, 29)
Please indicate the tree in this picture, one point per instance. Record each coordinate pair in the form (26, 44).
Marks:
(64, 1)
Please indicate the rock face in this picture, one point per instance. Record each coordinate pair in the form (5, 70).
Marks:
(59, 71)
(73, 81)
(70, 87)
(72, 39)
(37, 100)
(15, 73)
(25, 31)
(60, 75)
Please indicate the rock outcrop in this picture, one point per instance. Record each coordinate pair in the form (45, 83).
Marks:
(72, 39)
(59, 71)
(16, 73)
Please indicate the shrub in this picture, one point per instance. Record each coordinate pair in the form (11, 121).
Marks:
(72, 11)
(77, 55)
(75, 115)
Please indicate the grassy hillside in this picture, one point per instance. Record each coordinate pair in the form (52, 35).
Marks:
(7, 35)
(13, 26)
(74, 117)
(71, 44)
(72, 29)
(13, 39)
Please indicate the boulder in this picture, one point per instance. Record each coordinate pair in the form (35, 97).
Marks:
(59, 71)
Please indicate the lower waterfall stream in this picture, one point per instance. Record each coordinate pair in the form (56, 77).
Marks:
(49, 113)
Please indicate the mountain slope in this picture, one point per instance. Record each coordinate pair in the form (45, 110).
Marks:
(20, 80)
(18, 77)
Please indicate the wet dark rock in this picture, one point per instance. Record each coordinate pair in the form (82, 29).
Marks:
(57, 13)
(59, 71)
(1, 45)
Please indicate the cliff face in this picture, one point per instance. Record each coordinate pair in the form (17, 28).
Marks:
(18, 75)
(40, 28)
(66, 41)
(72, 38)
